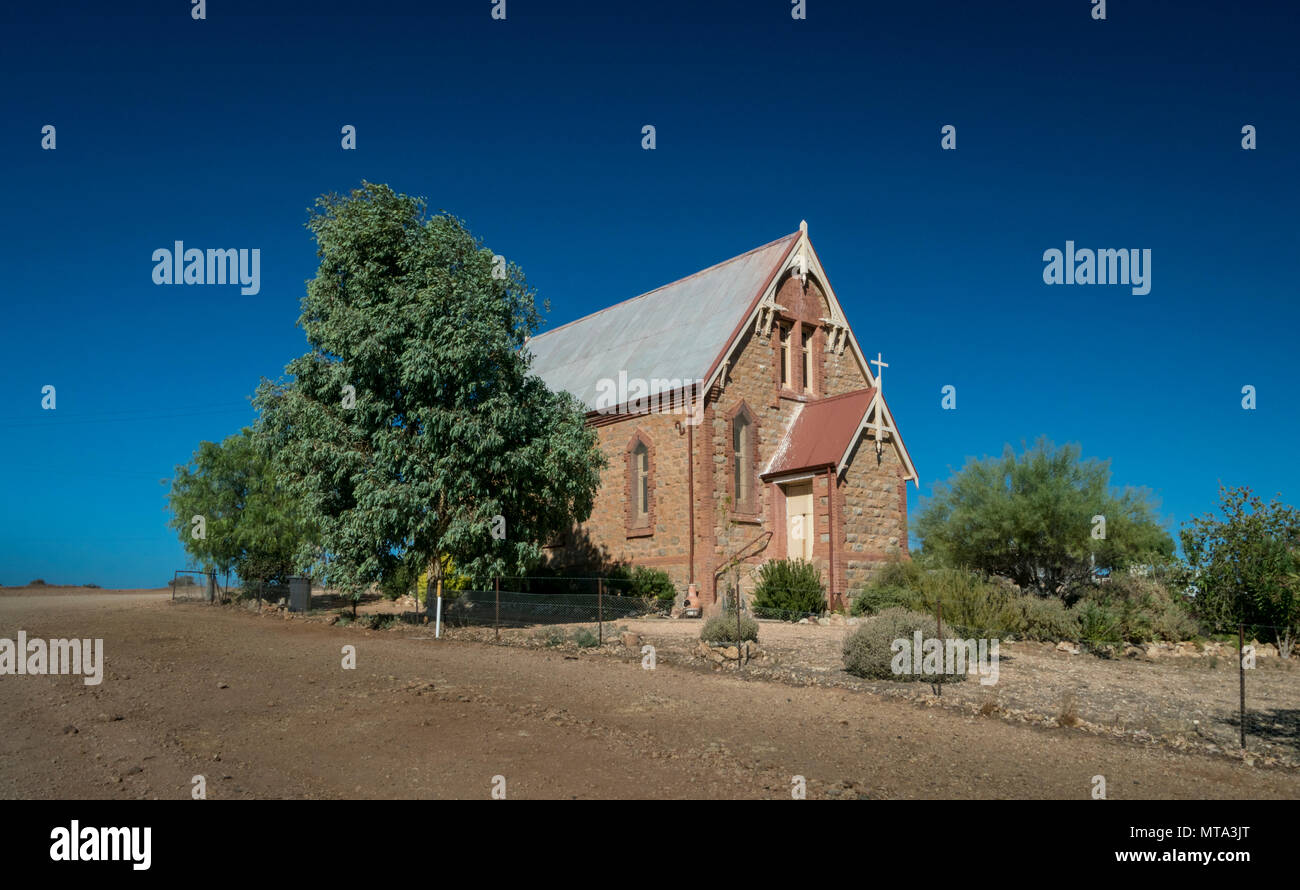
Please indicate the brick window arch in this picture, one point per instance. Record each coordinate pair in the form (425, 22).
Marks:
(639, 488)
(742, 463)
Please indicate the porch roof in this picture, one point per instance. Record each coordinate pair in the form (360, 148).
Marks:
(821, 434)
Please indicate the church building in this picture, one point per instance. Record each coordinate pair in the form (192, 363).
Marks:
(741, 422)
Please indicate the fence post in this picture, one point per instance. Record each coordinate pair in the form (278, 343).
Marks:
(939, 606)
(740, 643)
(600, 611)
(496, 620)
(1241, 670)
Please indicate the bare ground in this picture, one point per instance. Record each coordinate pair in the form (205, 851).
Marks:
(261, 707)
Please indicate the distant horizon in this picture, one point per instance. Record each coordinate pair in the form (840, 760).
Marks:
(1123, 138)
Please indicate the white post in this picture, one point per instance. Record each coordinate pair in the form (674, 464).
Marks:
(437, 621)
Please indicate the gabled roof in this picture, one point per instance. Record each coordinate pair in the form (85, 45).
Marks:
(824, 433)
(685, 331)
(821, 433)
(673, 332)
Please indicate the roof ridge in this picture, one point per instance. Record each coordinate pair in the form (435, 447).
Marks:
(843, 395)
(739, 256)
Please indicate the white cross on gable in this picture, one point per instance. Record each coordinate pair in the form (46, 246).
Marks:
(880, 371)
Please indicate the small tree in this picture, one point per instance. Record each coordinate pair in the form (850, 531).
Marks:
(1245, 567)
(1047, 520)
(249, 522)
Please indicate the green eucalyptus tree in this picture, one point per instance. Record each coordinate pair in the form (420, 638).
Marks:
(412, 428)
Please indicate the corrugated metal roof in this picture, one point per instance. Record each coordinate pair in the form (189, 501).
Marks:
(820, 434)
(673, 332)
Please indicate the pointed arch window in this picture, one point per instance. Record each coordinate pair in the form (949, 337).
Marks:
(641, 482)
(784, 335)
(806, 335)
(640, 486)
(744, 456)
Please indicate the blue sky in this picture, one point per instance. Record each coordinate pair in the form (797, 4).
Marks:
(1123, 133)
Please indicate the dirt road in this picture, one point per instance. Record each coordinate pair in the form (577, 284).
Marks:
(262, 707)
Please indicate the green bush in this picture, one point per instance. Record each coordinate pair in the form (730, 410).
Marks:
(585, 638)
(653, 584)
(1174, 623)
(969, 601)
(722, 629)
(789, 589)
(1099, 625)
(906, 573)
(1134, 609)
(868, 651)
(1125, 607)
(894, 584)
(399, 582)
(873, 600)
(1047, 619)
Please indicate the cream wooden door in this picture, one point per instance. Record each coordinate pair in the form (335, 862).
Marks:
(799, 521)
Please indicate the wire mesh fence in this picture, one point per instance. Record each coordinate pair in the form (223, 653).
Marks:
(517, 608)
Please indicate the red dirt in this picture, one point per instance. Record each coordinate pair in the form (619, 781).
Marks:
(424, 718)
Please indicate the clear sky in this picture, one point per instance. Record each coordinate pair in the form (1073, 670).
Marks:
(1122, 133)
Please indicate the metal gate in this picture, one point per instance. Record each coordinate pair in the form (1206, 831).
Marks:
(193, 586)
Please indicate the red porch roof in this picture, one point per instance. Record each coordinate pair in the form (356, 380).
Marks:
(821, 434)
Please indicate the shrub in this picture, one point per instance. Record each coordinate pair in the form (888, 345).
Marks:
(1047, 619)
(1098, 625)
(788, 589)
(903, 573)
(1174, 623)
(398, 582)
(653, 584)
(585, 638)
(377, 621)
(39, 582)
(1126, 607)
(1136, 610)
(722, 629)
(874, 599)
(868, 651)
(969, 601)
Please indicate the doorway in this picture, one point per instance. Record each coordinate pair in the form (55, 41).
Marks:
(799, 520)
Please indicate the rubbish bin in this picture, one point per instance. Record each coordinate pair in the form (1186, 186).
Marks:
(299, 594)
